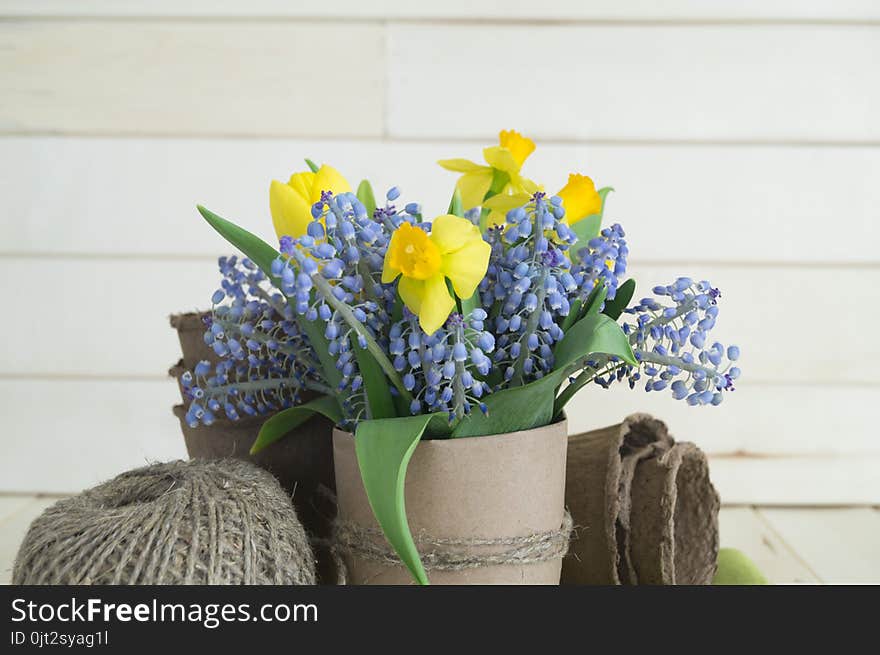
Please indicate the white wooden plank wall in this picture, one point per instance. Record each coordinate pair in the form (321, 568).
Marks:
(743, 139)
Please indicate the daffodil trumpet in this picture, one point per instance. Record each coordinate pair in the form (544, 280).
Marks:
(454, 250)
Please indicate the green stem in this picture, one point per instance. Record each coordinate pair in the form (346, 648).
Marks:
(578, 383)
(347, 315)
(531, 327)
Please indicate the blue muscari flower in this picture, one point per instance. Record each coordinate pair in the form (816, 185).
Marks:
(671, 341)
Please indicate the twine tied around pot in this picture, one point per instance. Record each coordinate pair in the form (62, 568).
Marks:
(196, 522)
(453, 554)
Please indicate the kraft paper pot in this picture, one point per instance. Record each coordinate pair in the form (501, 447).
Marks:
(493, 489)
(643, 505)
(674, 519)
(191, 328)
(175, 372)
(599, 478)
(302, 462)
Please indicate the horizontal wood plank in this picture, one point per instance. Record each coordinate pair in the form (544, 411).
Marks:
(67, 434)
(797, 480)
(839, 544)
(695, 83)
(458, 9)
(191, 78)
(744, 529)
(678, 203)
(108, 317)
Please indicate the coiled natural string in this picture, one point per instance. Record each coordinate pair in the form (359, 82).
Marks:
(196, 522)
(450, 554)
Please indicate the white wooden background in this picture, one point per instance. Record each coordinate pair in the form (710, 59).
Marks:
(743, 138)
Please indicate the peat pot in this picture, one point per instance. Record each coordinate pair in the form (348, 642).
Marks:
(482, 510)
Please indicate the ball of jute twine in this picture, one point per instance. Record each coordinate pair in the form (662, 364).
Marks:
(453, 554)
(196, 522)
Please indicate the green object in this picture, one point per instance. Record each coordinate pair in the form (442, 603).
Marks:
(384, 448)
(614, 308)
(380, 404)
(365, 195)
(287, 419)
(312, 165)
(734, 568)
(594, 301)
(455, 207)
(533, 405)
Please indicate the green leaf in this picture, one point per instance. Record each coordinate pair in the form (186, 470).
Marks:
(614, 308)
(470, 304)
(365, 195)
(384, 448)
(312, 165)
(517, 408)
(288, 419)
(379, 401)
(588, 227)
(591, 305)
(533, 405)
(257, 250)
(262, 254)
(455, 207)
(594, 300)
(593, 334)
(574, 313)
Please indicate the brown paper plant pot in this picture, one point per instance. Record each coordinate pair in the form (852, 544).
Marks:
(459, 492)
(675, 519)
(191, 328)
(600, 469)
(644, 509)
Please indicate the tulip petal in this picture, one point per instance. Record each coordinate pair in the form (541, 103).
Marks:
(291, 212)
(436, 304)
(466, 267)
(474, 187)
(302, 183)
(460, 165)
(328, 179)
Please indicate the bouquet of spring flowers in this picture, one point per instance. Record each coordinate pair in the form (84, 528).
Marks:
(401, 326)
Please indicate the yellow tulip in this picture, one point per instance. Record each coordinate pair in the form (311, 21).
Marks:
(454, 249)
(579, 198)
(291, 203)
(508, 157)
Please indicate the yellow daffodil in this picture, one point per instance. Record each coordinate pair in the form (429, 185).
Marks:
(455, 250)
(579, 198)
(291, 203)
(508, 157)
